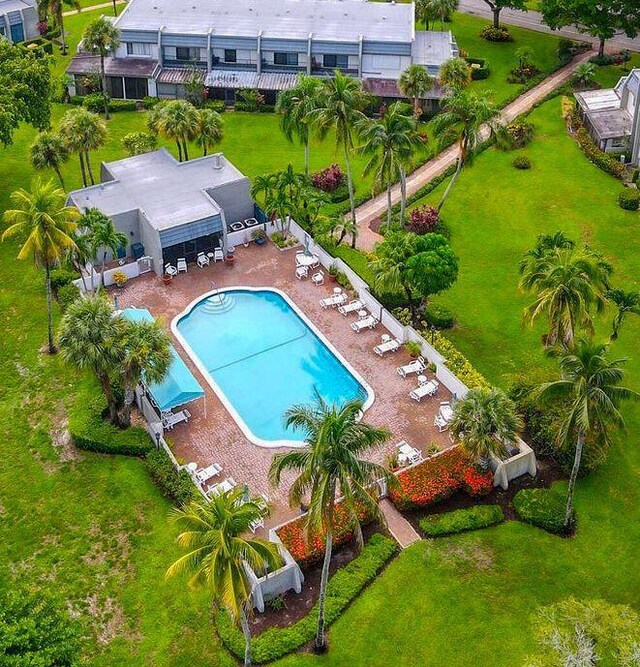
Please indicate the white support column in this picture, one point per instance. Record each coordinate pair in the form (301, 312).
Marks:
(360, 40)
(124, 90)
(209, 55)
(7, 28)
(259, 47)
(160, 57)
(309, 41)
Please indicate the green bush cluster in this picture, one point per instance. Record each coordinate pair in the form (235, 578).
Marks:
(479, 73)
(567, 49)
(601, 159)
(95, 103)
(67, 294)
(439, 316)
(150, 102)
(342, 589)
(245, 106)
(521, 162)
(460, 521)
(61, 277)
(493, 34)
(543, 508)
(457, 363)
(38, 44)
(175, 485)
(629, 199)
(215, 105)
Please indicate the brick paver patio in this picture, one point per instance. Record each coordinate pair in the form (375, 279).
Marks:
(216, 437)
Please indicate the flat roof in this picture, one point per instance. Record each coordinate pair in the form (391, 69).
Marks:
(15, 5)
(339, 20)
(168, 192)
(595, 100)
(432, 47)
(611, 124)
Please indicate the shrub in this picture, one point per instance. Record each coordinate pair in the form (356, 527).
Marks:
(543, 508)
(523, 73)
(457, 363)
(122, 105)
(439, 478)
(601, 159)
(67, 294)
(215, 105)
(328, 179)
(520, 133)
(493, 34)
(460, 521)
(413, 348)
(521, 162)
(176, 485)
(120, 278)
(94, 102)
(150, 102)
(438, 316)
(267, 108)
(423, 220)
(567, 49)
(343, 587)
(61, 277)
(340, 194)
(629, 199)
(137, 143)
(283, 241)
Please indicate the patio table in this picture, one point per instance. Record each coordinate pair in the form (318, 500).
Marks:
(446, 412)
(307, 260)
(337, 290)
(362, 314)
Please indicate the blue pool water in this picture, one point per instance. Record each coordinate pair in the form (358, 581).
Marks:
(264, 358)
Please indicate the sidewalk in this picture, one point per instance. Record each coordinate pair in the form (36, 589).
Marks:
(103, 5)
(376, 207)
(403, 532)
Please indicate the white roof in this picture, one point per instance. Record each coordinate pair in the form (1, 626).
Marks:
(7, 6)
(339, 20)
(433, 47)
(168, 192)
(220, 78)
(596, 100)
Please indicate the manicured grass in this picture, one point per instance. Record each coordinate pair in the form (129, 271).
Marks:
(608, 76)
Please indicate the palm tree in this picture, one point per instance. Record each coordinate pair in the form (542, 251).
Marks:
(328, 466)
(89, 338)
(486, 423)
(463, 118)
(295, 107)
(80, 254)
(590, 387)
(567, 283)
(216, 552)
(102, 37)
(455, 74)
(210, 132)
(443, 9)
(82, 132)
(415, 83)
(56, 7)
(339, 107)
(286, 197)
(625, 303)
(103, 236)
(146, 355)
(41, 218)
(179, 121)
(389, 143)
(585, 74)
(546, 244)
(48, 151)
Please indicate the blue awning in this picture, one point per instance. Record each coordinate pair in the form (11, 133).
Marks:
(179, 386)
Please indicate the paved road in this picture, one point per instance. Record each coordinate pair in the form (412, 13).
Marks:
(376, 207)
(533, 21)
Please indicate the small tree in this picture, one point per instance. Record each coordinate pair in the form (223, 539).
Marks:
(48, 151)
(585, 74)
(415, 83)
(625, 303)
(210, 132)
(103, 236)
(83, 132)
(102, 37)
(137, 143)
(455, 74)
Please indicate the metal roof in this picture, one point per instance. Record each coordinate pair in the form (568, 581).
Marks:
(134, 67)
(178, 75)
(389, 88)
(611, 124)
(7, 6)
(596, 100)
(340, 20)
(244, 79)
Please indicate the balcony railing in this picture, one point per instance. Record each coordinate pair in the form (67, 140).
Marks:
(185, 64)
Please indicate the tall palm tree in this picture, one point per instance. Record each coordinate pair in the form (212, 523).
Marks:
(626, 303)
(286, 197)
(329, 465)
(486, 423)
(146, 356)
(590, 386)
(56, 7)
(179, 121)
(389, 143)
(89, 338)
(463, 117)
(210, 132)
(83, 132)
(339, 107)
(443, 9)
(216, 552)
(103, 236)
(48, 151)
(455, 74)
(102, 37)
(41, 218)
(567, 283)
(415, 83)
(295, 107)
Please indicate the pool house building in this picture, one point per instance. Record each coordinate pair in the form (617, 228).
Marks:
(169, 209)
(262, 44)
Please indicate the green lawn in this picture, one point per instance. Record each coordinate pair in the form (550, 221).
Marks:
(608, 76)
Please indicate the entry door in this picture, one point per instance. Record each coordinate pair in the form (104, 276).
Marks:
(114, 87)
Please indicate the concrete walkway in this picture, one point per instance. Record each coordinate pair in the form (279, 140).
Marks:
(403, 532)
(376, 207)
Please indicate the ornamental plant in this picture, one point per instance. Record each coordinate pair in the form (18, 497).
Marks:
(423, 220)
(328, 179)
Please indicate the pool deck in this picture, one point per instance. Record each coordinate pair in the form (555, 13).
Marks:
(216, 438)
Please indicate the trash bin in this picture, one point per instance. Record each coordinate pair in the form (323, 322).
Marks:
(137, 250)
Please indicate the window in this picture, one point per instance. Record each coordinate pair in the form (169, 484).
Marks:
(334, 61)
(138, 49)
(230, 56)
(3, 32)
(135, 88)
(183, 53)
(283, 58)
(619, 142)
(17, 33)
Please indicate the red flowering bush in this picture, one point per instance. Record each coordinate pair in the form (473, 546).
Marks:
(439, 478)
(43, 27)
(423, 220)
(307, 549)
(328, 179)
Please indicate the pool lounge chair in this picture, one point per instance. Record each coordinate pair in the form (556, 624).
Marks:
(408, 454)
(427, 389)
(333, 301)
(202, 260)
(204, 474)
(170, 419)
(368, 322)
(170, 270)
(224, 486)
(388, 344)
(182, 265)
(416, 366)
(351, 307)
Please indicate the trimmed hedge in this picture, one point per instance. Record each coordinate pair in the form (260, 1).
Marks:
(601, 159)
(481, 72)
(543, 508)
(457, 363)
(460, 521)
(493, 34)
(629, 199)
(175, 485)
(521, 162)
(345, 585)
(439, 316)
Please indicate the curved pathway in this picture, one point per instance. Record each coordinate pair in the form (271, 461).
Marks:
(374, 208)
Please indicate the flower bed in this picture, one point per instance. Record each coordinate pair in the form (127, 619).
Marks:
(439, 478)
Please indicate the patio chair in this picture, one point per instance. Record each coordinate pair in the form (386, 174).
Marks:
(218, 255)
(441, 423)
(302, 272)
(202, 260)
(333, 301)
(416, 366)
(182, 265)
(257, 523)
(428, 389)
(170, 270)
(365, 323)
(203, 474)
(351, 307)
(388, 345)
(318, 278)
(407, 453)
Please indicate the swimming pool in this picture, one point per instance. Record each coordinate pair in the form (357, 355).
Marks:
(261, 356)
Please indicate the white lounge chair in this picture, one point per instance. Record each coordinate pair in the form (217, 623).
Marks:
(427, 389)
(416, 366)
(333, 301)
(170, 419)
(182, 265)
(204, 474)
(302, 272)
(218, 255)
(202, 260)
(224, 486)
(408, 454)
(351, 307)
(318, 278)
(368, 322)
(170, 270)
(388, 345)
